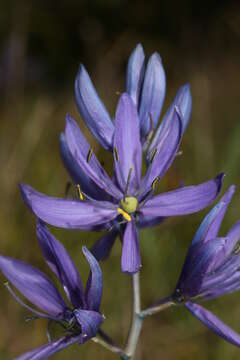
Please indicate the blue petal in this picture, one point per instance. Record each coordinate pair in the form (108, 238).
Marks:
(61, 264)
(102, 248)
(90, 322)
(153, 94)
(131, 259)
(93, 294)
(34, 285)
(92, 109)
(45, 351)
(135, 73)
(214, 323)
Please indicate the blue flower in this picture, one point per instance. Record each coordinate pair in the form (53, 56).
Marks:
(81, 320)
(126, 201)
(211, 269)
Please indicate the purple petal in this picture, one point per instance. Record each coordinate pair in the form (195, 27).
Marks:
(233, 237)
(45, 351)
(77, 174)
(210, 226)
(34, 285)
(164, 154)
(80, 149)
(102, 248)
(65, 213)
(93, 294)
(61, 264)
(153, 94)
(135, 73)
(185, 200)
(92, 109)
(149, 221)
(183, 101)
(127, 144)
(90, 322)
(131, 260)
(213, 323)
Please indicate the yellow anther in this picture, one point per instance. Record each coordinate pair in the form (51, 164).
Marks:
(124, 214)
(116, 154)
(89, 155)
(80, 194)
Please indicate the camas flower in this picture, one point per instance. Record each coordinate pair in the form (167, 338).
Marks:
(211, 269)
(80, 320)
(146, 86)
(127, 198)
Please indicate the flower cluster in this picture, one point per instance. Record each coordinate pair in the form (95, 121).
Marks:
(121, 204)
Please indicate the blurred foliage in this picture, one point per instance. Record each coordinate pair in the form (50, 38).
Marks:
(41, 46)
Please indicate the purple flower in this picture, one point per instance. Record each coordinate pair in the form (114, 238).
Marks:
(127, 201)
(211, 269)
(82, 319)
(146, 86)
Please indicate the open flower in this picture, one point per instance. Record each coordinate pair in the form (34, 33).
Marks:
(146, 86)
(81, 319)
(128, 199)
(211, 269)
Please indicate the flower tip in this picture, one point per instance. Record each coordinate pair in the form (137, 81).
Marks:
(26, 192)
(219, 180)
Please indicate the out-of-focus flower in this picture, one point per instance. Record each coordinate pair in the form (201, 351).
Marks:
(211, 269)
(147, 87)
(127, 199)
(81, 320)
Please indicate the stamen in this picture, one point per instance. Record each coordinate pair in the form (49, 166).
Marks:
(128, 181)
(236, 250)
(124, 214)
(150, 134)
(116, 154)
(79, 192)
(89, 155)
(153, 154)
(154, 183)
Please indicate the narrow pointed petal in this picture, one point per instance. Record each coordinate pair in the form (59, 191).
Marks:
(90, 322)
(65, 213)
(45, 351)
(164, 154)
(200, 261)
(93, 294)
(183, 101)
(80, 149)
(61, 264)
(127, 144)
(210, 226)
(131, 260)
(149, 221)
(102, 248)
(135, 73)
(153, 94)
(34, 285)
(214, 323)
(185, 200)
(92, 109)
(77, 174)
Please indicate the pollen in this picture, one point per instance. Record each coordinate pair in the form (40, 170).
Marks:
(129, 204)
(124, 214)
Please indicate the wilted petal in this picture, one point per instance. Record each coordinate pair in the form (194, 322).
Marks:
(61, 264)
(45, 351)
(214, 323)
(77, 174)
(80, 149)
(131, 260)
(102, 248)
(94, 286)
(92, 109)
(127, 146)
(183, 101)
(210, 226)
(135, 73)
(164, 154)
(34, 285)
(90, 322)
(185, 200)
(66, 213)
(153, 93)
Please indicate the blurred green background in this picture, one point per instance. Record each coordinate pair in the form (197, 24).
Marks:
(41, 46)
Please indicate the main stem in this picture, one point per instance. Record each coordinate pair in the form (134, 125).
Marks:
(136, 323)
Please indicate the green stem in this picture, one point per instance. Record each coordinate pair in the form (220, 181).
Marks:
(158, 307)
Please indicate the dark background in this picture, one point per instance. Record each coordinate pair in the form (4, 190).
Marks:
(41, 46)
